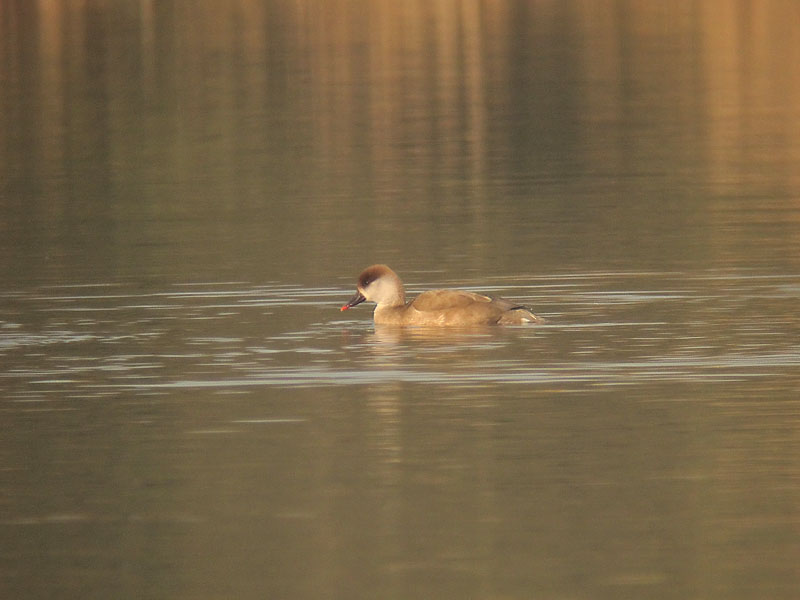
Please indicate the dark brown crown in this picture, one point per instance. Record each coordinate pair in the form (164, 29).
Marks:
(371, 274)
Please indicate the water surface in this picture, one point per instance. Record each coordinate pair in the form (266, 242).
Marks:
(188, 194)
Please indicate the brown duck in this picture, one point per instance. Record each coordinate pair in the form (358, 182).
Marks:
(440, 308)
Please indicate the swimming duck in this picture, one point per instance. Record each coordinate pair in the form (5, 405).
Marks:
(381, 285)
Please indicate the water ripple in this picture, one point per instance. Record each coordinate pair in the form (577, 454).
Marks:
(605, 329)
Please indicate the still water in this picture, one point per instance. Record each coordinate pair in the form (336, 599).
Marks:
(188, 193)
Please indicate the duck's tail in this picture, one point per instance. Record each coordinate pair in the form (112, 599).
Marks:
(520, 315)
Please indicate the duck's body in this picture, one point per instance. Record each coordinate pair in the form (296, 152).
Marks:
(381, 285)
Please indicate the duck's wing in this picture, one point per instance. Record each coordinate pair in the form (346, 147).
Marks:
(457, 307)
(442, 300)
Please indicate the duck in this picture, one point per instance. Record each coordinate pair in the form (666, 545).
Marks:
(439, 308)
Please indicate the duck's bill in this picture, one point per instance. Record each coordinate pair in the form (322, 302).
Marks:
(357, 299)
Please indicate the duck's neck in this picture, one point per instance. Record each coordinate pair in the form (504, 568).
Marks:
(394, 297)
(386, 309)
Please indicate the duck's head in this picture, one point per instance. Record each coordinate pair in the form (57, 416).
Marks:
(378, 284)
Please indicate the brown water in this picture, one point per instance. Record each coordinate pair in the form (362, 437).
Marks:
(188, 193)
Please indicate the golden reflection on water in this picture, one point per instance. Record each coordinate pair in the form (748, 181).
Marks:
(444, 65)
(177, 127)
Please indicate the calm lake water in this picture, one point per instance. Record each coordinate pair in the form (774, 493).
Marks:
(188, 193)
